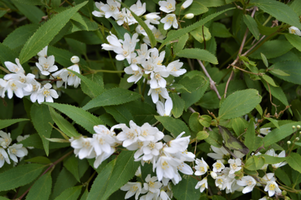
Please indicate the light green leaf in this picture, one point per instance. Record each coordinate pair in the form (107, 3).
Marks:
(271, 49)
(174, 126)
(205, 120)
(295, 40)
(115, 96)
(279, 10)
(63, 124)
(239, 103)
(7, 122)
(115, 174)
(185, 189)
(46, 33)
(251, 140)
(255, 163)
(195, 8)
(42, 121)
(212, 3)
(181, 43)
(41, 189)
(269, 80)
(264, 59)
(18, 37)
(194, 123)
(273, 159)
(202, 135)
(176, 34)
(220, 30)
(293, 161)
(19, 176)
(198, 34)
(279, 133)
(290, 67)
(178, 105)
(239, 125)
(6, 54)
(252, 25)
(78, 115)
(39, 159)
(200, 54)
(70, 193)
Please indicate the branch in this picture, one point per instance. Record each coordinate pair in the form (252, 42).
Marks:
(212, 83)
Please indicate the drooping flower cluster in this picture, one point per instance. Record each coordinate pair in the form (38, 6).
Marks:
(146, 63)
(152, 188)
(100, 146)
(8, 151)
(232, 178)
(22, 84)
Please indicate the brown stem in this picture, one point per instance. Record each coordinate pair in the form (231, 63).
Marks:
(227, 84)
(212, 83)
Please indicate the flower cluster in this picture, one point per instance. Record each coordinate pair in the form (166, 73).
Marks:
(13, 151)
(232, 178)
(21, 84)
(152, 188)
(146, 63)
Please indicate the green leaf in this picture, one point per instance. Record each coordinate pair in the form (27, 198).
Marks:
(195, 8)
(63, 124)
(251, 140)
(70, 193)
(185, 189)
(120, 113)
(39, 159)
(198, 34)
(273, 159)
(176, 34)
(33, 13)
(71, 165)
(115, 174)
(214, 138)
(293, 161)
(239, 125)
(212, 3)
(178, 105)
(41, 189)
(19, 176)
(200, 54)
(181, 43)
(7, 122)
(295, 40)
(255, 163)
(232, 142)
(194, 123)
(18, 37)
(115, 96)
(252, 25)
(264, 59)
(279, 133)
(220, 30)
(271, 49)
(30, 2)
(78, 115)
(42, 122)
(43, 36)
(6, 54)
(174, 126)
(293, 70)
(205, 120)
(239, 103)
(202, 135)
(280, 11)
(269, 80)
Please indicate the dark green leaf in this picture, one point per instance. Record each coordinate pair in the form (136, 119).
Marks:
(41, 189)
(184, 190)
(178, 105)
(252, 25)
(200, 54)
(290, 67)
(294, 161)
(7, 122)
(174, 126)
(70, 193)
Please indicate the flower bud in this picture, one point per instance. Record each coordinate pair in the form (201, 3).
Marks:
(289, 142)
(298, 126)
(293, 127)
(297, 138)
(213, 174)
(189, 16)
(74, 59)
(284, 193)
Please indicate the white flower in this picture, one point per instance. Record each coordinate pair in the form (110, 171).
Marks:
(3, 157)
(201, 167)
(153, 17)
(271, 152)
(152, 186)
(265, 131)
(72, 78)
(103, 141)
(179, 144)
(99, 13)
(174, 68)
(219, 153)
(220, 182)
(83, 147)
(189, 16)
(247, 181)
(268, 177)
(157, 79)
(294, 30)
(16, 68)
(99, 159)
(213, 174)
(186, 4)
(46, 65)
(36, 86)
(158, 92)
(43, 52)
(138, 172)
(133, 188)
(15, 86)
(114, 43)
(111, 8)
(272, 188)
(170, 20)
(235, 165)
(136, 74)
(128, 136)
(164, 109)
(17, 150)
(166, 167)
(3, 85)
(167, 6)
(203, 184)
(138, 8)
(20, 138)
(75, 59)
(5, 139)
(46, 93)
(61, 76)
(218, 166)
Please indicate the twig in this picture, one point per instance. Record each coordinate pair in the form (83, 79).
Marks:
(227, 84)
(212, 83)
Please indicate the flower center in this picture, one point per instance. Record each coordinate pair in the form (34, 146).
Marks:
(46, 93)
(164, 165)
(272, 187)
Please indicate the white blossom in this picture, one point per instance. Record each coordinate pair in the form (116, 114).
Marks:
(174, 68)
(186, 4)
(5, 139)
(201, 167)
(43, 52)
(83, 147)
(132, 188)
(99, 13)
(45, 93)
(46, 65)
(164, 109)
(111, 8)
(272, 188)
(218, 166)
(247, 181)
(294, 30)
(17, 150)
(235, 165)
(138, 8)
(203, 184)
(15, 68)
(3, 157)
(167, 6)
(170, 20)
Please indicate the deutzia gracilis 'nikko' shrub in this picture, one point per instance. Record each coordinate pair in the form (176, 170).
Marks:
(150, 100)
